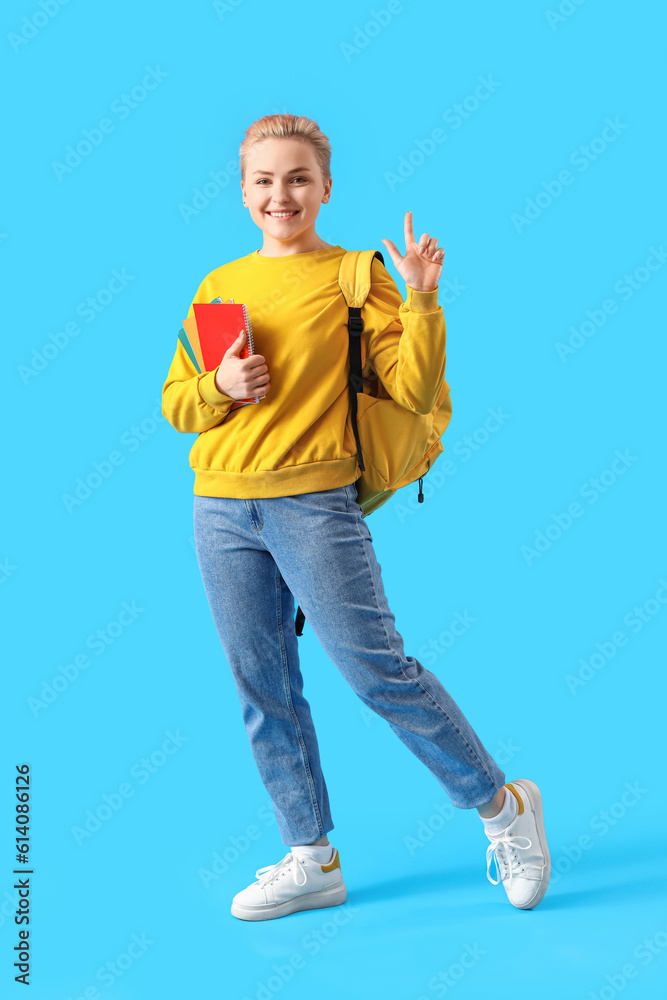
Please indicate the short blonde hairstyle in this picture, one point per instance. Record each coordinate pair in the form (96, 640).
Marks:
(287, 127)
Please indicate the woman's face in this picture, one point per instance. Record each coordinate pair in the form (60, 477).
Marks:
(283, 175)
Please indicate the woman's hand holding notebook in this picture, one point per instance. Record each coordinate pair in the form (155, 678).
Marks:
(212, 330)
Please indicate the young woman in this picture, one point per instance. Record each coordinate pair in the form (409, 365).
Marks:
(276, 521)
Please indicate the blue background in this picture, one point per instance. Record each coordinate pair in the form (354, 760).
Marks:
(415, 868)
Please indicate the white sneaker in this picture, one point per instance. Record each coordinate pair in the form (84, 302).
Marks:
(295, 883)
(524, 868)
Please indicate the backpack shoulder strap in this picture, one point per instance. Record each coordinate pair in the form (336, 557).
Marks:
(354, 275)
(354, 278)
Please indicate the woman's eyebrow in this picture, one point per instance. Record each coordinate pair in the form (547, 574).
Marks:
(300, 170)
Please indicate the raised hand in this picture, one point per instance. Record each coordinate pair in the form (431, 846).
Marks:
(421, 266)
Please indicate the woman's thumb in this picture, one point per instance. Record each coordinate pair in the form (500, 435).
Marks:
(236, 346)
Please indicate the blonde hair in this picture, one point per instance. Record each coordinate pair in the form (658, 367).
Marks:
(287, 127)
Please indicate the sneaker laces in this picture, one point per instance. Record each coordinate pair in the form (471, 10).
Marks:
(270, 872)
(503, 848)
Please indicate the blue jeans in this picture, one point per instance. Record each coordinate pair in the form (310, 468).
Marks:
(256, 557)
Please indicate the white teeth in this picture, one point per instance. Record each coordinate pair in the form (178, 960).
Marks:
(281, 215)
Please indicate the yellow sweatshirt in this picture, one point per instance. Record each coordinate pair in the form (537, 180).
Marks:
(299, 438)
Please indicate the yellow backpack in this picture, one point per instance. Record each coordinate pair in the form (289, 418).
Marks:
(395, 446)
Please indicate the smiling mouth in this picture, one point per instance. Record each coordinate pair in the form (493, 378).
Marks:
(283, 215)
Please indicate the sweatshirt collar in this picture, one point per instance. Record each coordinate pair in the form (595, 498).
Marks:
(323, 252)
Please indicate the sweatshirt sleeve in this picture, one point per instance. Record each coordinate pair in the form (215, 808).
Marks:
(191, 401)
(405, 341)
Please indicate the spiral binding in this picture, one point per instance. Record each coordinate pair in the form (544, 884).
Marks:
(251, 343)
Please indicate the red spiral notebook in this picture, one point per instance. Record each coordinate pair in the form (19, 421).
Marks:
(213, 328)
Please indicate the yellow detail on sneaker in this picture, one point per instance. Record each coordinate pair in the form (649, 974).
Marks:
(332, 864)
(516, 795)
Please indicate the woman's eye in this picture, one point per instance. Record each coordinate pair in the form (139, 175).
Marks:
(261, 179)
